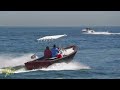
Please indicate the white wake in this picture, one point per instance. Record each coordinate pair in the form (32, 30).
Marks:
(8, 60)
(103, 33)
(11, 61)
(65, 66)
(58, 67)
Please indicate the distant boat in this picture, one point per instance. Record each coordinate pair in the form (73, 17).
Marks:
(91, 31)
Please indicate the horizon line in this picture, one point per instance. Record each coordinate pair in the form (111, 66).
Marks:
(69, 26)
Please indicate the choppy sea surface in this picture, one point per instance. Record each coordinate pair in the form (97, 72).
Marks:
(98, 56)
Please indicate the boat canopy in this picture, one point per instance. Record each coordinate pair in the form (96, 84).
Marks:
(45, 38)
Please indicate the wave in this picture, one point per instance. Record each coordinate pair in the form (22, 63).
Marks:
(65, 66)
(103, 33)
(58, 67)
(9, 60)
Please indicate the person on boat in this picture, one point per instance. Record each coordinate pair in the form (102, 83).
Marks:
(54, 51)
(47, 53)
(59, 55)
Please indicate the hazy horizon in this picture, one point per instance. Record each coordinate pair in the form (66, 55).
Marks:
(59, 18)
(59, 26)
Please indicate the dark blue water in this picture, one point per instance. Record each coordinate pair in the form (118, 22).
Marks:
(98, 56)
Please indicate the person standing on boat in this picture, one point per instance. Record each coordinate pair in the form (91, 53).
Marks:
(47, 53)
(54, 51)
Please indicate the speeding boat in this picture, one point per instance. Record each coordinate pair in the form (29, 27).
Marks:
(91, 31)
(68, 55)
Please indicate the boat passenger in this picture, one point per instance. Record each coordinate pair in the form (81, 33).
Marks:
(59, 55)
(54, 51)
(47, 53)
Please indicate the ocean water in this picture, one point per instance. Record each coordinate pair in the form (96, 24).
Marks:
(98, 56)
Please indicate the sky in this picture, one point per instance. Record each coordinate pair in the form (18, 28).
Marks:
(60, 18)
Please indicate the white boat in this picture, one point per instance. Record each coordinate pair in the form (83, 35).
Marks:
(91, 31)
